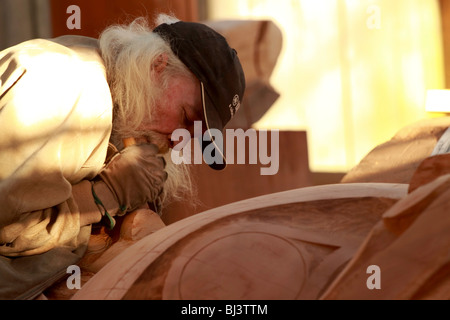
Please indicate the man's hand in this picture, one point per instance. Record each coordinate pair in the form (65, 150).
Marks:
(135, 176)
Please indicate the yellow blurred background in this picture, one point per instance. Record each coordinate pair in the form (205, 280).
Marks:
(351, 72)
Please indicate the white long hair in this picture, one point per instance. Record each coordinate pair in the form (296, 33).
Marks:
(129, 52)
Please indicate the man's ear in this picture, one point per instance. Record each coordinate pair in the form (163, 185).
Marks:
(159, 64)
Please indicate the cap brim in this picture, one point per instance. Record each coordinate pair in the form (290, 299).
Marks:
(213, 121)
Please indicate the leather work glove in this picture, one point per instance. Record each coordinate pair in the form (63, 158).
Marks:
(133, 177)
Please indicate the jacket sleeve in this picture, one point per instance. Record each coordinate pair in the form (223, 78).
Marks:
(56, 119)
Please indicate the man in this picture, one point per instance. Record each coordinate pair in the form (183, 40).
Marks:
(67, 104)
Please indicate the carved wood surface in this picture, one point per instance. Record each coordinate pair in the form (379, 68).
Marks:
(288, 245)
(410, 245)
(430, 169)
(396, 160)
(104, 246)
(308, 243)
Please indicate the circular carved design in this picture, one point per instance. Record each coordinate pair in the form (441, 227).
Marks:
(226, 269)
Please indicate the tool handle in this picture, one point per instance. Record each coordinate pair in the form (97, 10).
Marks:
(129, 142)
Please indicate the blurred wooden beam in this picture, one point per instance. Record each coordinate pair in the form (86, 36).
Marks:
(243, 181)
(98, 14)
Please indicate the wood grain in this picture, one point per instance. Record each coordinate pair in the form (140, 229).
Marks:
(287, 245)
(411, 247)
(430, 169)
(396, 160)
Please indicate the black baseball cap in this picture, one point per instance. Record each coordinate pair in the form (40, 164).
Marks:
(208, 56)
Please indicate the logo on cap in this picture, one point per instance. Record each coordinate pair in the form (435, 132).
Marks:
(235, 105)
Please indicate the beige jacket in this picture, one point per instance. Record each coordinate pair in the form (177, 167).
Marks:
(56, 121)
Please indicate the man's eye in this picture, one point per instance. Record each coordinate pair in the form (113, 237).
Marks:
(185, 117)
